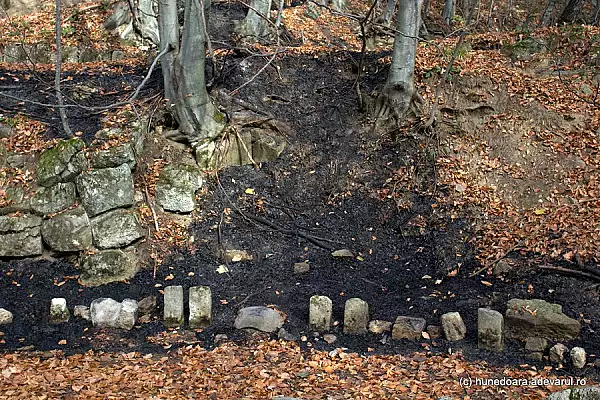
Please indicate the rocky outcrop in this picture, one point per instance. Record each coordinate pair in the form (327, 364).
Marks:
(107, 266)
(105, 189)
(538, 318)
(115, 229)
(176, 187)
(61, 163)
(68, 231)
(20, 236)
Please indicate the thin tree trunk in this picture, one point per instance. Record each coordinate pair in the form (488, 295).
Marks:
(426, 8)
(545, 19)
(571, 12)
(390, 7)
(489, 18)
(61, 110)
(596, 14)
(183, 70)
(399, 91)
(448, 12)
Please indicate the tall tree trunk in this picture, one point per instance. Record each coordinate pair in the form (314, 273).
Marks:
(571, 12)
(183, 73)
(399, 92)
(390, 7)
(61, 110)
(545, 19)
(256, 23)
(596, 14)
(448, 12)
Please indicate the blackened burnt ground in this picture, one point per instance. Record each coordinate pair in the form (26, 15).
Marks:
(330, 182)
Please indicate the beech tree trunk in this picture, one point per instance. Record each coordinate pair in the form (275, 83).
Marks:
(183, 72)
(399, 91)
(572, 11)
(255, 24)
(390, 7)
(448, 12)
(545, 20)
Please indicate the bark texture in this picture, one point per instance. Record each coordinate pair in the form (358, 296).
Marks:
(183, 73)
(572, 11)
(256, 23)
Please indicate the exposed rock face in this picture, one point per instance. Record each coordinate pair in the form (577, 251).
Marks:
(68, 231)
(113, 157)
(61, 163)
(50, 200)
(105, 189)
(176, 187)
(107, 266)
(20, 236)
(408, 328)
(115, 229)
(538, 318)
(260, 318)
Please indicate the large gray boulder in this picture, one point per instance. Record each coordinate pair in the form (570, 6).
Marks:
(68, 231)
(176, 187)
(20, 236)
(109, 313)
(538, 318)
(105, 189)
(50, 200)
(116, 228)
(261, 318)
(113, 157)
(107, 266)
(61, 163)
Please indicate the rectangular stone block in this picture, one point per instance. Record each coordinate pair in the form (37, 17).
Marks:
(319, 313)
(173, 311)
(59, 311)
(200, 302)
(356, 316)
(490, 329)
(408, 328)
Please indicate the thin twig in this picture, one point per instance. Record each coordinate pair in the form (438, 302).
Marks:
(156, 227)
(570, 271)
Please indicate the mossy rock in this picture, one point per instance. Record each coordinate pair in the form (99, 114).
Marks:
(61, 163)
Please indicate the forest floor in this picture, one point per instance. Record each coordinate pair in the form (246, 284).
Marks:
(509, 172)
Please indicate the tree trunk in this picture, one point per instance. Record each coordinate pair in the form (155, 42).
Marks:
(390, 7)
(571, 12)
(61, 110)
(545, 19)
(399, 93)
(596, 14)
(256, 23)
(146, 22)
(183, 73)
(338, 5)
(448, 12)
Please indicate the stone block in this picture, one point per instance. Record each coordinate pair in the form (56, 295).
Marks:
(58, 311)
(557, 353)
(128, 314)
(117, 228)
(105, 312)
(319, 313)
(68, 231)
(453, 326)
(490, 329)
(173, 306)
(408, 328)
(200, 304)
(578, 357)
(538, 318)
(356, 316)
(107, 266)
(50, 200)
(105, 189)
(261, 318)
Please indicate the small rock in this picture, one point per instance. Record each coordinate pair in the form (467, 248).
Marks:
(343, 253)
(219, 337)
(319, 313)
(408, 328)
(82, 312)
(58, 311)
(377, 326)
(578, 357)
(261, 318)
(557, 353)
(329, 338)
(301, 268)
(147, 305)
(128, 314)
(453, 326)
(285, 335)
(6, 317)
(502, 268)
(173, 310)
(356, 316)
(548, 320)
(237, 256)
(104, 312)
(536, 344)
(434, 331)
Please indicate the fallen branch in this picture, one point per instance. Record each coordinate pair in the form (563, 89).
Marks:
(569, 271)
(156, 227)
